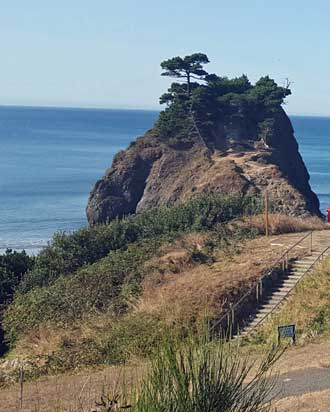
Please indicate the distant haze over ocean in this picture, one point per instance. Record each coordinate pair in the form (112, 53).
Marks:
(51, 157)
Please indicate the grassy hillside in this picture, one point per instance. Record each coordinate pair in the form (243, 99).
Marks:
(69, 252)
(97, 273)
(110, 293)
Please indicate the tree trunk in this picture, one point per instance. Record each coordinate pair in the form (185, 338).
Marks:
(188, 84)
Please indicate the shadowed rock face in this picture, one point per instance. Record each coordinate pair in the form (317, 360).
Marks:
(150, 173)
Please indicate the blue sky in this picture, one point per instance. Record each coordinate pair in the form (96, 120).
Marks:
(106, 53)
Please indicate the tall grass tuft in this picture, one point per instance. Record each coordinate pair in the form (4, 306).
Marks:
(205, 376)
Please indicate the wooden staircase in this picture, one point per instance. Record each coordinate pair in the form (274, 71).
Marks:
(280, 292)
(272, 290)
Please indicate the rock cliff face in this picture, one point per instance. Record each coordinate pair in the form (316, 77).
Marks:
(150, 173)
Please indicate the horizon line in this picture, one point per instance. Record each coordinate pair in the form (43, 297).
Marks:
(128, 108)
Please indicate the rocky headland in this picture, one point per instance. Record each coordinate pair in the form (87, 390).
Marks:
(224, 137)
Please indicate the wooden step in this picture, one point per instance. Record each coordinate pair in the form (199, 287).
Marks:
(300, 269)
(266, 310)
(275, 300)
(290, 284)
(281, 292)
(300, 265)
(296, 276)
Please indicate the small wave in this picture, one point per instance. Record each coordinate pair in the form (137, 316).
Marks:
(31, 246)
(29, 251)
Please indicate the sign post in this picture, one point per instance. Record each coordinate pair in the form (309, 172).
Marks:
(266, 214)
(287, 331)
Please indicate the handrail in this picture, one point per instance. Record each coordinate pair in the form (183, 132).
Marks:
(288, 293)
(248, 293)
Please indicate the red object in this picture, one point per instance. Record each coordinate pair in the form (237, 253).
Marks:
(328, 214)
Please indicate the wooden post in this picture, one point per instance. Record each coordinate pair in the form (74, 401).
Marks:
(286, 263)
(230, 320)
(266, 214)
(21, 381)
(257, 292)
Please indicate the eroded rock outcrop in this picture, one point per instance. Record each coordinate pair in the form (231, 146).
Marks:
(150, 172)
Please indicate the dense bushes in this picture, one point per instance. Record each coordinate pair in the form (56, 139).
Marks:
(112, 342)
(102, 286)
(69, 252)
(13, 265)
(107, 285)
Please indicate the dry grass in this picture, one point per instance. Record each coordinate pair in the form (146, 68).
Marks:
(41, 341)
(178, 289)
(175, 258)
(65, 393)
(205, 289)
(280, 224)
(311, 355)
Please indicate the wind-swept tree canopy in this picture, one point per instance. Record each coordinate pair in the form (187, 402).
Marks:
(188, 67)
(195, 105)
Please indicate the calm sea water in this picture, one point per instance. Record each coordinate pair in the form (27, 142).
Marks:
(313, 135)
(50, 159)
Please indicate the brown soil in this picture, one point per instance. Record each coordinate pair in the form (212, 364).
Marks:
(309, 402)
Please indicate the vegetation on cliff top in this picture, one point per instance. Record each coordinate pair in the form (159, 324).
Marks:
(198, 107)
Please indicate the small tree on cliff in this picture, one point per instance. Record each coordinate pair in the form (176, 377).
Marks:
(188, 67)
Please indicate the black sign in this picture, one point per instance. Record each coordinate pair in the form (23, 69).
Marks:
(287, 331)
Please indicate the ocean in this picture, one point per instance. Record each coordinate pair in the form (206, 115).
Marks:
(49, 161)
(313, 136)
(51, 157)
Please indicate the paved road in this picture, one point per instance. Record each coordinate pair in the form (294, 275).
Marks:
(302, 381)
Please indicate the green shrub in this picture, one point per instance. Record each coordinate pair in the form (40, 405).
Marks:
(13, 265)
(69, 252)
(63, 298)
(321, 322)
(91, 290)
(115, 343)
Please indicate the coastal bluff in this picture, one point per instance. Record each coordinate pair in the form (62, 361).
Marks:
(229, 159)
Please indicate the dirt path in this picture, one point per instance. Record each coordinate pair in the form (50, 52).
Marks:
(302, 381)
(309, 402)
